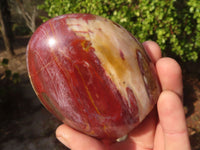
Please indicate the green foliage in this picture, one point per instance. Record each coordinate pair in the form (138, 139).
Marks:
(173, 24)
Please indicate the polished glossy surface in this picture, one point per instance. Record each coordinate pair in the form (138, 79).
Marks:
(92, 74)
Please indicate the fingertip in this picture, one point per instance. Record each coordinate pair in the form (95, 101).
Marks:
(167, 63)
(153, 50)
(172, 121)
(171, 113)
(62, 135)
(168, 103)
(59, 130)
(170, 75)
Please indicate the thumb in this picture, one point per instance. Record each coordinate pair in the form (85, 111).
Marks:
(76, 140)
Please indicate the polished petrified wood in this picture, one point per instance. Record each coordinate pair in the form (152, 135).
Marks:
(92, 74)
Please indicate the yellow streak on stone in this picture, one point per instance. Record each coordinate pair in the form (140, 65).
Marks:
(111, 57)
(85, 46)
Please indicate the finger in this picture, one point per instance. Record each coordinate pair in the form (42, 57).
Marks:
(159, 138)
(76, 140)
(153, 50)
(172, 121)
(170, 75)
(142, 136)
(144, 133)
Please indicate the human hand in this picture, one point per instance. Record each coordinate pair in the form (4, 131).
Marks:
(163, 129)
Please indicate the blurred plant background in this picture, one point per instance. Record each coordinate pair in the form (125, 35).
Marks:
(173, 24)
